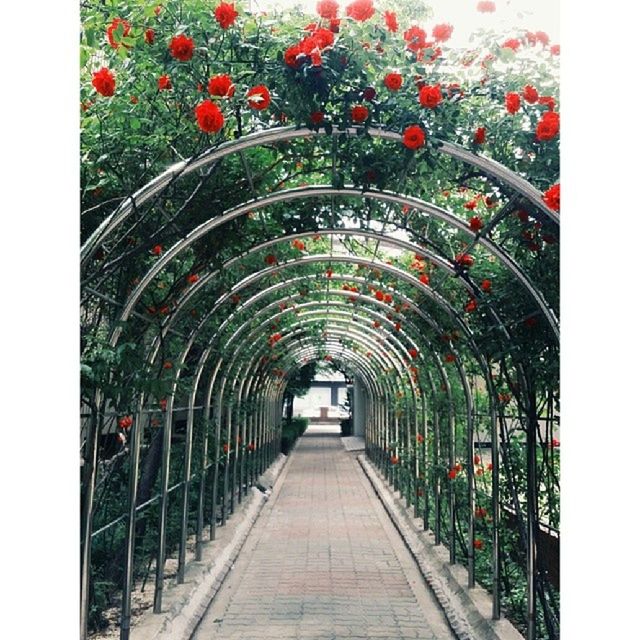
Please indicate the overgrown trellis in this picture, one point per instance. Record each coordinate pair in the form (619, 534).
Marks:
(430, 274)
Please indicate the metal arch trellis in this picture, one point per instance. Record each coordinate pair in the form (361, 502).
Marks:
(285, 134)
(293, 194)
(232, 340)
(354, 192)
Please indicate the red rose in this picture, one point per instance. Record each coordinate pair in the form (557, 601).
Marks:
(316, 117)
(530, 94)
(125, 422)
(486, 285)
(480, 135)
(548, 101)
(360, 10)
(271, 259)
(394, 459)
(430, 96)
(133, 99)
(164, 83)
(221, 85)
(359, 113)
(393, 81)
(149, 36)
(157, 250)
(478, 544)
(542, 38)
(416, 38)
(413, 137)
(369, 94)
(413, 352)
(293, 56)
(424, 278)
(104, 82)
(225, 14)
(464, 260)
(512, 102)
(452, 474)
(450, 357)
(209, 117)
(327, 9)
(548, 126)
(192, 278)
(391, 21)
(471, 306)
(555, 49)
(475, 224)
(551, 197)
(181, 48)
(334, 25)
(442, 32)
(259, 97)
(470, 205)
(167, 365)
(512, 44)
(126, 27)
(486, 7)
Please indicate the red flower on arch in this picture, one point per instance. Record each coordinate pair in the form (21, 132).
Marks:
(359, 113)
(551, 197)
(413, 137)
(259, 97)
(391, 20)
(327, 9)
(209, 117)
(442, 32)
(104, 82)
(361, 10)
(181, 48)
(226, 14)
(430, 96)
(221, 85)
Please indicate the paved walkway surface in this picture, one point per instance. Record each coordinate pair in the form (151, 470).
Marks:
(323, 561)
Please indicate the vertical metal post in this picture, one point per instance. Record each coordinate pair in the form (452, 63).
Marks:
(532, 516)
(186, 482)
(471, 552)
(495, 505)
(436, 457)
(164, 488)
(137, 431)
(89, 477)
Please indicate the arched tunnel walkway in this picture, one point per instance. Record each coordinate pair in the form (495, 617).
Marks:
(452, 367)
(451, 332)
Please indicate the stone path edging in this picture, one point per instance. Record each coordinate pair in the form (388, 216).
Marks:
(186, 603)
(459, 606)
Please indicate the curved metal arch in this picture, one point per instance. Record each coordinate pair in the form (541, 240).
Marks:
(381, 266)
(285, 134)
(293, 194)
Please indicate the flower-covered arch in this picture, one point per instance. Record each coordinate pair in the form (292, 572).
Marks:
(262, 193)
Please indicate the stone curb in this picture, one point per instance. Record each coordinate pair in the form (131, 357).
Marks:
(467, 610)
(186, 603)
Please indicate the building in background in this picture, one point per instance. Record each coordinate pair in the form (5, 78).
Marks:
(325, 401)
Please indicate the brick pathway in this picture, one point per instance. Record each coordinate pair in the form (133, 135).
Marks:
(323, 562)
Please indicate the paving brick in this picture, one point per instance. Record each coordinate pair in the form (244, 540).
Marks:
(323, 561)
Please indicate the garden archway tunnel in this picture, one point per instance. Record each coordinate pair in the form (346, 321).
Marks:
(343, 302)
(409, 242)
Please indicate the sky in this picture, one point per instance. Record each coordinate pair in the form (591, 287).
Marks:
(534, 15)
